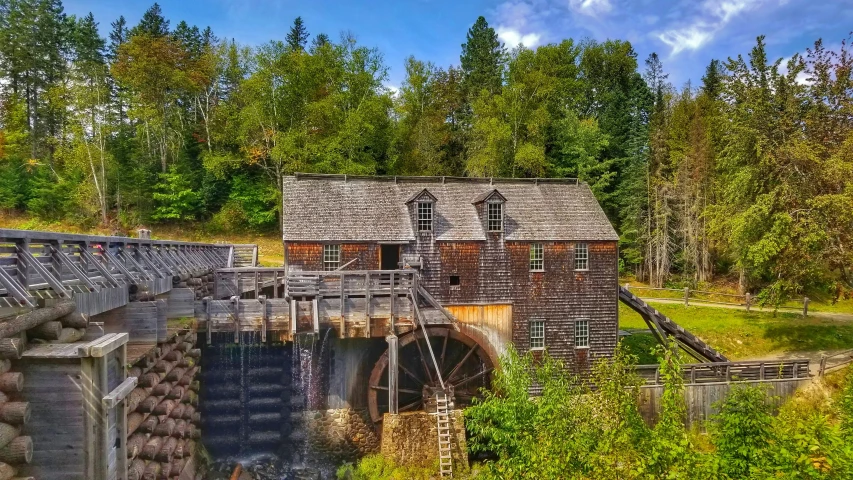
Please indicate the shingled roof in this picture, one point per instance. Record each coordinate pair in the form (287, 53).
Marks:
(339, 208)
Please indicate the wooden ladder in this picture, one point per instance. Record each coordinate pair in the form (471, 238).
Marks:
(445, 457)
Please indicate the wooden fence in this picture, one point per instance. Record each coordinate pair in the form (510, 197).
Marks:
(732, 371)
(837, 360)
(686, 294)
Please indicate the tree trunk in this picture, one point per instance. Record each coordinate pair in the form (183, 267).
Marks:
(151, 448)
(15, 413)
(166, 428)
(135, 444)
(134, 420)
(11, 382)
(35, 318)
(152, 471)
(149, 424)
(71, 335)
(74, 320)
(7, 472)
(19, 450)
(166, 451)
(136, 469)
(11, 348)
(8, 433)
(46, 331)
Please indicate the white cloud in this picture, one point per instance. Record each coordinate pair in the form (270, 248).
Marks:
(592, 8)
(690, 38)
(714, 15)
(521, 22)
(513, 38)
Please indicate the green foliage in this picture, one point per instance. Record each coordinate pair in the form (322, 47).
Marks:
(741, 430)
(569, 431)
(174, 198)
(378, 467)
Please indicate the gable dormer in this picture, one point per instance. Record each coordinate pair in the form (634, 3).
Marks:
(490, 206)
(422, 211)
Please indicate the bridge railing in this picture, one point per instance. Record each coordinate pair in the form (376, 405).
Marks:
(350, 283)
(94, 270)
(732, 371)
(687, 295)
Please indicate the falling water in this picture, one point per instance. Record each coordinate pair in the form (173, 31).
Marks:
(255, 397)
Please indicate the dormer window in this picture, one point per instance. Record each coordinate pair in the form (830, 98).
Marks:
(424, 216)
(422, 208)
(490, 205)
(496, 216)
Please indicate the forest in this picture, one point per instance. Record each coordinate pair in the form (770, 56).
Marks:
(747, 176)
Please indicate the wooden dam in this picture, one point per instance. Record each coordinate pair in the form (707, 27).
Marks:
(99, 381)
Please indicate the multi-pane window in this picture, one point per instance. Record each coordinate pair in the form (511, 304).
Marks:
(496, 216)
(581, 256)
(537, 334)
(331, 257)
(537, 257)
(581, 333)
(424, 216)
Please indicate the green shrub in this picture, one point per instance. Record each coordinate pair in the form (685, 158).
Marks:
(379, 467)
(741, 430)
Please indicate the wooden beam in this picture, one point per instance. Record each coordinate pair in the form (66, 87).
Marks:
(120, 392)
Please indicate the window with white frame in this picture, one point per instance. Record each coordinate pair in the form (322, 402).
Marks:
(581, 333)
(537, 257)
(424, 216)
(331, 257)
(581, 256)
(495, 216)
(537, 334)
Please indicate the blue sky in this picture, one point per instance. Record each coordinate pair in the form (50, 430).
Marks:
(687, 34)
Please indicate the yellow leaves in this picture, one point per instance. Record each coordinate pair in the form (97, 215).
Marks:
(31, 164)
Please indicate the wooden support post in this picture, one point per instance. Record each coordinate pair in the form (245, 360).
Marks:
(235, 301)
(315, 313)
(748, 301)
(342, 334)
(262, 299)
(805, 306)
(275, 284)
(367, 304)
(393, 372)
(292, 315)
(686, 296)
(207, 301)
(257, 285)
(393, 295)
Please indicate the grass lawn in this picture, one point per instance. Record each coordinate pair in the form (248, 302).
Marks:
(738, 334)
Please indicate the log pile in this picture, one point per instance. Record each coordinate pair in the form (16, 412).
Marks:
(163, 420)
(45, 324)
(201, 283)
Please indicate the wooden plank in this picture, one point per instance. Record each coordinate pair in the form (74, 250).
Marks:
(104, 345)
(119, 393)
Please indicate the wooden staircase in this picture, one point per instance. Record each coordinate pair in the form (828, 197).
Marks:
(243, 256)
(662, 327)
(445, 457)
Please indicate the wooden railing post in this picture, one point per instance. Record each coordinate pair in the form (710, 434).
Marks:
(805, 306)
(686, 296)
(748, 301)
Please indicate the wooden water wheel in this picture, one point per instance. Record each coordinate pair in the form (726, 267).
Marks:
(464, 364)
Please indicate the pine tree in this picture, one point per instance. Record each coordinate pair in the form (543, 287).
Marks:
(713, 79)
(319, 41)
(482, 59)
(153, 23)
(297, 38)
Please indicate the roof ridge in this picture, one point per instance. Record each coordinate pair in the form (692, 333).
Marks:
(437, 179)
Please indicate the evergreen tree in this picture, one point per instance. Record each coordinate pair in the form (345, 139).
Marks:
(482, 59)
(319, 41)
(297, 38)
(153, 23)
(713, 79)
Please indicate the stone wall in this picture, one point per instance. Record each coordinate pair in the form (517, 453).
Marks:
(412, 439)
(337, 435)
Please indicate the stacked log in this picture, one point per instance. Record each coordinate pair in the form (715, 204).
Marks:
(201, 282)
(45, 324)
(163, 422)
